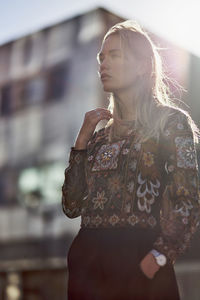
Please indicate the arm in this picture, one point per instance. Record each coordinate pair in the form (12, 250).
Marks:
(74, 189)
(180, 207)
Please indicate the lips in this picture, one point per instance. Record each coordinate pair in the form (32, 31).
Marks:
(105, 76)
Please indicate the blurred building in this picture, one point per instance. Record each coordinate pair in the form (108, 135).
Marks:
(48, 80)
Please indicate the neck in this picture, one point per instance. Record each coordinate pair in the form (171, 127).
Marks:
(127, 102)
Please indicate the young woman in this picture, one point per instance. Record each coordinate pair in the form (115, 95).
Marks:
(134, 183)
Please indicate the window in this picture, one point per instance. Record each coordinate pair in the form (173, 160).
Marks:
(5, 52)
(91, 27)
(59, 43)
(8, 186)
(28, 47)
(19, 96)
(35, 90)
(57, 81)
(6, 100)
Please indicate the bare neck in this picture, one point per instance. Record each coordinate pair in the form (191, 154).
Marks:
(127, 103)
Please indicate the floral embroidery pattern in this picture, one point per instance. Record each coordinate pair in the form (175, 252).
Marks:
(86, 220)
(107, 156)
(127, 208)
(146, 192)
(184, 208)
(118, 221)
(182, 191)
(133, 219)
(180, 126)
(114, 183)
(152, 221)
(169, 168)
(185, 152)
(137, 146)
(133, 165)
(167, 133)
(185, 220)
(97, 220)
(99, 200)
(148, 159)
(77, 158)
(113, 220)
(125, 151)
(130, 186)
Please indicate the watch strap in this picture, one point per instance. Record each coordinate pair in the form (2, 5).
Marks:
(155, 252)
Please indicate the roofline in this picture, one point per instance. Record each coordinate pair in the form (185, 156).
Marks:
(62, 21)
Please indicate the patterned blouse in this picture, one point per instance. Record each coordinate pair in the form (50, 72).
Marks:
(126, 183)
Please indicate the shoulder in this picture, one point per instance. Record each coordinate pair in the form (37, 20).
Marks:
(177, 126)
(177, 121)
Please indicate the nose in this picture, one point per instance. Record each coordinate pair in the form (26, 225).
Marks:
(104, 65)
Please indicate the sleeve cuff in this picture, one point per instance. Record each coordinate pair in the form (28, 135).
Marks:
(78, 150)
(77, 155)
(163, 248)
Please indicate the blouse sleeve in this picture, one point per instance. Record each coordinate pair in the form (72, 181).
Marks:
(74, 188)
(180, 205)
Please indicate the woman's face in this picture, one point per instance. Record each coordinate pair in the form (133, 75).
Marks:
(118, 68)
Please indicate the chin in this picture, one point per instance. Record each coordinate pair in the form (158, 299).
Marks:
(108, 88)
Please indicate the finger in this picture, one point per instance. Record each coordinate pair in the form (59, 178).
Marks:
(102, 115)
(103, 110)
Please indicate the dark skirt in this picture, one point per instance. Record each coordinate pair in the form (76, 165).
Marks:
(104, 265)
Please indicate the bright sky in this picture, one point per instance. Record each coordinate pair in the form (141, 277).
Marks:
(176, 20)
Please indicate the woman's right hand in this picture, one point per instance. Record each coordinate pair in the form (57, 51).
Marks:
(92, 118)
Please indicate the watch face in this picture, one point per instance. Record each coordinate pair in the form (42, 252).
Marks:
(161, 260)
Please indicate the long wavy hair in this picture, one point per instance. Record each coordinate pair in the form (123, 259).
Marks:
(153, 103)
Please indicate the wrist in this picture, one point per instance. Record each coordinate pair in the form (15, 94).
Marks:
(82, 141)
(160, 258)
(80, 144)
(79, 147)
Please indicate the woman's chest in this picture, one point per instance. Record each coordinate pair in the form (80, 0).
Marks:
(123, 156)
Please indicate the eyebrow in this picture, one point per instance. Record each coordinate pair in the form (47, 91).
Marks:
(100, 54)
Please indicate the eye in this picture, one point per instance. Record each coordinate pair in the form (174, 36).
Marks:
(101, 60)
(114, 55)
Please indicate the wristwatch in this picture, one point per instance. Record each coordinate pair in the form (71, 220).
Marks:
(159, 257)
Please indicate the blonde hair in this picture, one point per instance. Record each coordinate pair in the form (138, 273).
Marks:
(153, 103)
